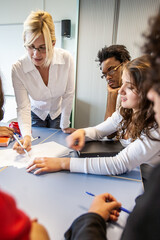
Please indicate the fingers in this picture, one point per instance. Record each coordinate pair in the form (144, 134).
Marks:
(6, 131)
(76, 140)
(69, 130)
(39, 164)
(106, 206)
(26, 143)
(114, 215)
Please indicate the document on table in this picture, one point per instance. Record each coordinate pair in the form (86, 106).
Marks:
(9, 157)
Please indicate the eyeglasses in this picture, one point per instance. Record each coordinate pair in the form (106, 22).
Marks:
(41, 49)
(111, 72)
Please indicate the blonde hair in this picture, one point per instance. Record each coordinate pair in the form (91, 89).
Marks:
(37, 23)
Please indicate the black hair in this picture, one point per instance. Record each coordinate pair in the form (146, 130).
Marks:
(120, 53)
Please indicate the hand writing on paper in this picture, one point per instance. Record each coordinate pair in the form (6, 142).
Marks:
(106, 206)
(76, 140)
(47, 164)
(26, 142)
(6, 132)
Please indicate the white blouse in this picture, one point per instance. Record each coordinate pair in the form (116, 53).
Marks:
(135, 153)
(32, 94)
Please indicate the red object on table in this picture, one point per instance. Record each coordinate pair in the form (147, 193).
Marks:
(15, 126)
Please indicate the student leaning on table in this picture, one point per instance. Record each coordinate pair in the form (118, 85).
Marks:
(144, 221)
(43, 80)
(136, 126)
(4, 131)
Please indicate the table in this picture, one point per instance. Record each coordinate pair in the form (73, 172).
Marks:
(56, 199)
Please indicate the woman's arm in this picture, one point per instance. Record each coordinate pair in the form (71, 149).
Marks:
(136, 153)
(23, 111)
(67, 98)
(23, 103)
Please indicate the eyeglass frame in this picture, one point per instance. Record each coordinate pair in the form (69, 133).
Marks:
(112, 71)
(39, 49)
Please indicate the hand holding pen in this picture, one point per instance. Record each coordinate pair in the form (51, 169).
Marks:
(23, 145)
(106, 206)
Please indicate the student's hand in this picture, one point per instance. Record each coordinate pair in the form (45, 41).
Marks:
(106, 206)
(6, 132)
(38, 231)
(46, 164)
(69, 130)
(26, 142)
(113, 90)
(76, 140)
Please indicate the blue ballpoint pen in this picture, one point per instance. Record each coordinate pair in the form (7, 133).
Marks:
(14, 135)
(121, 208)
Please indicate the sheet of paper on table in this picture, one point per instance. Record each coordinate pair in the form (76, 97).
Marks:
(9, 157)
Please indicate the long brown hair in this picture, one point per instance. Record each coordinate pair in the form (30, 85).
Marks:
(143, 119)
(1, 100)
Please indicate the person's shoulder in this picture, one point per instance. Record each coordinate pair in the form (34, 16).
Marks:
(117, 115)
(20, 61)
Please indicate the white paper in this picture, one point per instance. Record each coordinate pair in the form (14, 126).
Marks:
(10, 157)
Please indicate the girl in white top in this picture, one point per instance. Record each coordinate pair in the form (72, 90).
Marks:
(134, 122)
(43, 80)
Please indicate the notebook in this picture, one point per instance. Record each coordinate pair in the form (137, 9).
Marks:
(101, 149)
(4, 141)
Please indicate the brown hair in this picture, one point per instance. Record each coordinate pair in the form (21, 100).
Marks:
(143, 119)
(152, 47)
(1, 100)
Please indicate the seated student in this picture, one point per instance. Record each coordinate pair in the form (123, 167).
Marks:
(144, 221)
(4, 131)
(137, 131)
(111, 60)
(15, 224)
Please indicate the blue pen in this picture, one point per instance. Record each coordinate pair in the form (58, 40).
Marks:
(121, 208)
(35, 138)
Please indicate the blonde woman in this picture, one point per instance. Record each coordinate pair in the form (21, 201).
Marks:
(43, 80)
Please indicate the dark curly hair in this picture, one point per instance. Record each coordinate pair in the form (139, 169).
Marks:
(152, 47)
(142, 120)
(120, 53)
(1, 100)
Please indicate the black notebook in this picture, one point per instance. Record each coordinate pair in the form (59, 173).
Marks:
(100, 149)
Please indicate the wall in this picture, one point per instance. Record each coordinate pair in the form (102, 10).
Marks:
(101, 23)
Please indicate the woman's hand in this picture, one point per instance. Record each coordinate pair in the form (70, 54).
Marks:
(76, 140)
(26, 142)
(6, 132)
(46, 164)
(69, 130)
(106, 206)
